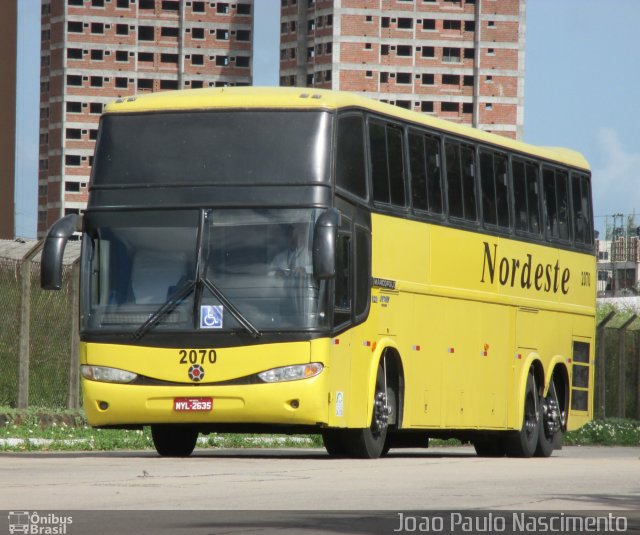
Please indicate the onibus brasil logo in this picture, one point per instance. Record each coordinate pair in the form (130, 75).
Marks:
(38, 524)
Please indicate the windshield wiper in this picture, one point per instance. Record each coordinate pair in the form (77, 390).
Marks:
(164, 309)
(183, 293)
(240, 318)
(202, 267)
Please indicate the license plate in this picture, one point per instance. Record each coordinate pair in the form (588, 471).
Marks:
(192, 404)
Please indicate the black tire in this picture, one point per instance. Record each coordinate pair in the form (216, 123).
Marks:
(550, 437)
(392, 402)
(334, 441)
(174, 440)
(545, 445)
(489, 447)
(369, 443)
(523, 443)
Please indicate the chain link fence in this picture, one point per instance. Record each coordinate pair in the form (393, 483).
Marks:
(618, 366)
(38, 330)
(9, 326)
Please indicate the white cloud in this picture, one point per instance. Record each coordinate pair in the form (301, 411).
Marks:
(616, 183)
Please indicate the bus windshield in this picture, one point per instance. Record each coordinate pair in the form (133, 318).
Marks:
(216, 268)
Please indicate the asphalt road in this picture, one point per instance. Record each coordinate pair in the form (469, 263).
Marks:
(573, 479)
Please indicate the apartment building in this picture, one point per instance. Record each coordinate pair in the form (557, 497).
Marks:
(8, 50)
(461, 60)
(95, 51)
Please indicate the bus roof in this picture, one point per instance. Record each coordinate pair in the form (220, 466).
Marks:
(311, 98)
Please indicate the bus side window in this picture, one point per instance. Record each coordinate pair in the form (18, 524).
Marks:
(379, 169)
(424, 164)
(556, 203)
(469, 182)
(502, 189)
(461, 181)
(495, 192)
(350, 160)
(581, 209)
(533, 198)
(549, 199)
(434, 175)
(343, 280)
(418, 171)
(387, 163)
(396, 165)
(525, 195)
(363, 270)
(562, 196)
(520, 195)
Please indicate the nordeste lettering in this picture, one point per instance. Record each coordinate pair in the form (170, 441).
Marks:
(526, 273)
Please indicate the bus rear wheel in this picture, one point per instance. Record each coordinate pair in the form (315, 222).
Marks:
(523, 443)
(550, 437)
(489, 446)
(174, 440)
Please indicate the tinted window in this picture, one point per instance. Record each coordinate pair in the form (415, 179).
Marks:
(495, 192)
(213, 147)
(556, 203)
(525, 194)
(424, 163)
(387, 166)
(461, 181)
(350, 160)
(342, 294)
(582, 220)
(363, 261)
(533, 198)
(396, 165)
(379, 171)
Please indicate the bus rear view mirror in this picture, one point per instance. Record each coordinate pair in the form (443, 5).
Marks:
(53, 251)
(324, 244)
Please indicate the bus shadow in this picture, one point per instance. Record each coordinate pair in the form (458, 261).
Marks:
(321, 455)
(242, 453)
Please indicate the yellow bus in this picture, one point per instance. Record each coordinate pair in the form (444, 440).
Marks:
(305, 261)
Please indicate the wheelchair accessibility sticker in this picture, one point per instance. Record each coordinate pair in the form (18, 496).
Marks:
(211, 316)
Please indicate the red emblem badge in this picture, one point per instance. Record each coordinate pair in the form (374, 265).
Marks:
(196, 373)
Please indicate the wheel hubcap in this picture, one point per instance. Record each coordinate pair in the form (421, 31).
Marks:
(552, 418)
(531, 418)
(381, 413)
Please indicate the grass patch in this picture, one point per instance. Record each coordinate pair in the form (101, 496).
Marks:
(47, 430)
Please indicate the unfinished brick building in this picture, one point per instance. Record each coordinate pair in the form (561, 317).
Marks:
(8, 48)
(462, 60)
(94, 51)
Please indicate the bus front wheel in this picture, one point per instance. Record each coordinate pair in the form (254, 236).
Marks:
(174, 440)
(368, 443)
(335, 442)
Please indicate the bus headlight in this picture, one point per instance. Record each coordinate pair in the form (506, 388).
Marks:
(291, 373)
(107, 375)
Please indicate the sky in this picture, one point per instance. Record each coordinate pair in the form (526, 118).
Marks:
(582, 91)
